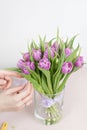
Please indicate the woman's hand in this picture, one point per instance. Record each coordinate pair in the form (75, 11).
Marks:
(5, 78)
(14, 99)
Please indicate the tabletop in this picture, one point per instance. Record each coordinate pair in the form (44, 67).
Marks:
(74, 111)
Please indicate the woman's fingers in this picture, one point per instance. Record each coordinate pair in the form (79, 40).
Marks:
(14, 90)
(21, 105)
(9, 82)
(24, 93)
(11, 101)
(28, 98)
(3, 82)
(10, 73)
(6, 82)
(25, 101)
(28, 103)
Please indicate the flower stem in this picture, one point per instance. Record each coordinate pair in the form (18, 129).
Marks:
(54, 115)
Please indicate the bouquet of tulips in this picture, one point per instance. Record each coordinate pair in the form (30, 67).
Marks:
(48, 65)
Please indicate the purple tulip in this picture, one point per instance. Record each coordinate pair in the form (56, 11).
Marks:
(44, 64)
(25, 71)
(68, 52)
(55, 46)
(79, 62)
(30, 65)
(36, 54)
(26, 56)
(67, 67)
(21, 64)
(46, 53)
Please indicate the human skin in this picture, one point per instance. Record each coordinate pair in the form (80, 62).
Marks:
(13, 99)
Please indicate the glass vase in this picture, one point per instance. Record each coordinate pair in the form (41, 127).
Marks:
(48, 108)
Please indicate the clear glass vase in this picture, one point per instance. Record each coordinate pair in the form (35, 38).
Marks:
(48, 108)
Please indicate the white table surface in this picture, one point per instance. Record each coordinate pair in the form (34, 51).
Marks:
(75, 109)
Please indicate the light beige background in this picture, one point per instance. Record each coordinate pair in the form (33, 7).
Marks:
(75, 109)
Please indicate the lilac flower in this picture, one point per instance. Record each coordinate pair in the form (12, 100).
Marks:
(44, 64)
(26, 56)
(46, 53)
(30, 65)
(36, 54)
(68, 51)
(21, 64)
(25, 71)
(27, 63)
(67, 67)
(55, 46)
(79, 62)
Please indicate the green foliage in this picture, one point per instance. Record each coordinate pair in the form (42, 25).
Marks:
(57, 74)
(53, 65)
(48, 77)
(34, 75)
(62, 85)
(36, 85)
(44, 84)
(14, 69)
(50, 42)
(42, 43)
(30, 50)
(70, 43)
(53, 80)
(73, 55)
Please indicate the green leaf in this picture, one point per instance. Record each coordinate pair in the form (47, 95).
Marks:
(70, 44)
(56, 76)
(48, 77)
(41, 44)
(62, 85)
(60, 62)
(34, 75)
(57, 81)
(75, 69)
(79, 51)
(44, 85)
(44, 39)
(35, 45)
(49, 53)
(57, 36)
(73, 55)
(30, 46)
(66, 42)
(62, 45)
(14, 69)
(53, 64)
(36, 85)
(50, 42)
